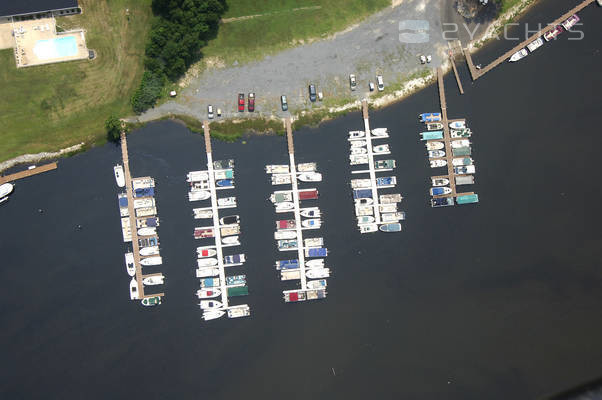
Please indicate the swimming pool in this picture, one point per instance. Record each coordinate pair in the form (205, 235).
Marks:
(55, 48)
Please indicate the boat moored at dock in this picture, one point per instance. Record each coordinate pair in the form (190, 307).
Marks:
(536, 44)
(119, 176)
(391, 227)
(150, 261)
(429, 117)
(440, 190)
(151, 301)
(439, 181)
(522, 53)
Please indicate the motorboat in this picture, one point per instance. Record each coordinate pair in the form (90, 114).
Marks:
(570, 22)
(286, 224)
(316, 284)
(209, 304)
(316, 273)
(223, 164)
(457, 125)
(229, 230)
(457, 162)
(460, 133)
(361, 211)
(203, 253)
(315, 263)
(285, 206)
(363, 202)
(236, 280)
(281, 196)
(313, 223)
(390, 198)
(436, 153)
(287, 244)
(384, 164)
(442, 202)
(199, 185)
(356, 134)
(439, 181)
(149, 251)
(308, 194)
(380, 132)
(208, 293)
(391, 227)
(233, 240)
(522, 53)
(311, 212)
(393, 217)
(387, 208)
(6, 189)
(211, 282)
(467, 169)
(226, 202)
(229, 220)
(381, 149)
(234, 259)
(358, 159)
(359, 150)
(204, 233)
(197, 176)
(119, 176)
(365, 219)
(368, 228)
(310, 177)
(277, 169)
(199, 195)
(358, 143)
(306, 167)
(129, 264)
(287, 264)
(207, 272)
(536, 44)
(289, 234)
(438, 163)
(386, 181)
(281, 179)
(153, 280)
(225, 183)
(151, 301)
(134, 295)
(150, 261)
(147, 231)
(212, 314)
(440, 191)
(316, 252)
(313, 242)
(434, 145)
(206, 262)
(361, 183)
(239, 311)
(429, 117)
(552, 34)
(457, 144)
(147, 222)
(434, 126)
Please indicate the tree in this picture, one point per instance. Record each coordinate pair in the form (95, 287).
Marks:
(113, 128)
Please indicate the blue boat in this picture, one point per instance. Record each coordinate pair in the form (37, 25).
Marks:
(236, 280)
(316, 252)
(392, 227)
(209, 282)
(430, 117)
(225, 182)
(432, 135)
(123, 200)
(287, 264)
(386, 181)
(234, 259)
(150, 222)
(442, 202)
(362, 194)
(144, 192)
(468, 199)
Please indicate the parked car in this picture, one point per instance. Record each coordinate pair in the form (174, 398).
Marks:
(371, 86)
(241, 102)
(380, 83)
(283, 103)
(219, 112)
(210, 111)
(312, 93)
(352, 82)
(320, 96)
(251, 101)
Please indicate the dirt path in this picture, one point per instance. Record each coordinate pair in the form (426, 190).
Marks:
(227, 20)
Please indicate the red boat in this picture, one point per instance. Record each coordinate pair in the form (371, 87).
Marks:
(200, 233)
(553, 33)
(311, 194)
(286, 224)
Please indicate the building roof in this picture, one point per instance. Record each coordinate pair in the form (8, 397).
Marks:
(9, 8)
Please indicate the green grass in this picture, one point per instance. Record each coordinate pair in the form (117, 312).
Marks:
(46, 108)
(507, 4)
(251, 39)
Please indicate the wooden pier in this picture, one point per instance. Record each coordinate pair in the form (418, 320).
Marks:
(371, 171)
(477, 73)
(132, 217)
(28, 173)
(453, 63)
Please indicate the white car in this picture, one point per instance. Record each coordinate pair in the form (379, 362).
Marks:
(210, 111)
(371, 86)
(379, 83)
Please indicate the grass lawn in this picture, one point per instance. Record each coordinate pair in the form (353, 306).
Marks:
(49, 107)
(508, 4)
(250, 39)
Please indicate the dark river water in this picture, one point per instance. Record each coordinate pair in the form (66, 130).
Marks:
(500, 300)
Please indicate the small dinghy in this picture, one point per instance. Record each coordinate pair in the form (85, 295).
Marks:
(434, 145)
(393, 227)
(438, 163)
(436, 153)
(209, 304)
(207, 272)
(208, 293)
(206, 262)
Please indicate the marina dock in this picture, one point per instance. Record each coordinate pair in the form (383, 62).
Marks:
(133, 226)
(477, 73)
(453, 63)
(28, 173)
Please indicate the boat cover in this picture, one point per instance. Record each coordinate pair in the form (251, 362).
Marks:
(123, 202)
(144, 192)
(317, 252)
(467, 199)
(238, 291)
(362, 194)
(432, 135)
(308, 195)
(151, 222)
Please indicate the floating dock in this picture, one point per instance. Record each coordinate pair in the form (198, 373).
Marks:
(309, 290)
(139, 277)
(27, 173)
(477, 73)
(219, 175)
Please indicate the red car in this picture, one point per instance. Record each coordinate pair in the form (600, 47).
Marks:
(251, 102)
(241, 102)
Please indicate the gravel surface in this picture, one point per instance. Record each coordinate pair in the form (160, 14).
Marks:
(370, 48)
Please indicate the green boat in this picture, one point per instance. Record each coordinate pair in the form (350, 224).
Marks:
(467, 199)
(151, 301)
(238, 291)
(384, 164)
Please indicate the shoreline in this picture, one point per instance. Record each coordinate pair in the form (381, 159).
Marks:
(43, 156)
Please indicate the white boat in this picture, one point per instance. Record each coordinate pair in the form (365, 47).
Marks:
(317, 284)
(209, 304)
(288, 234)
(390, 198)
(358, 159)
(457, 162)
(460, 133)
(212, 314)
(536, 44)
(387, 208)
(361, 183)
(457, 125)
(208, 293)
(149, 251)
(207, 252)
(281, 196)
(239, 311)
(365, 219)
(438, 163)
(6, 189)
(150, 231)
(390, 227)
(199, 185)
(456, 144)
(364, 210)
(306, 167)
(363, 202)
(440, 190)
(157, 260)
(134, 295)
(119, 176)
(313, 242)
(281, 179)
(310, 212)
(197, 176)
(206, 262)
(2, 200)
(199, 195)
(310, 177)
(316, 273)
(129, 264)
(434, 126)
(277, 169)
(153, 280)
(359, 150)
(231, 240)
(202, 213)
(315, 263)
(356, 134)
(380, 132)
(151, 301)
(439, 181)
(522, 53)
(368, 228)
(381, 149)
(434, 145)
(436, 153)
(285, 206)
(207, 272)
(311, 223)
(226, 202)
(229, 220)
(358, 143)
(393, 217)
